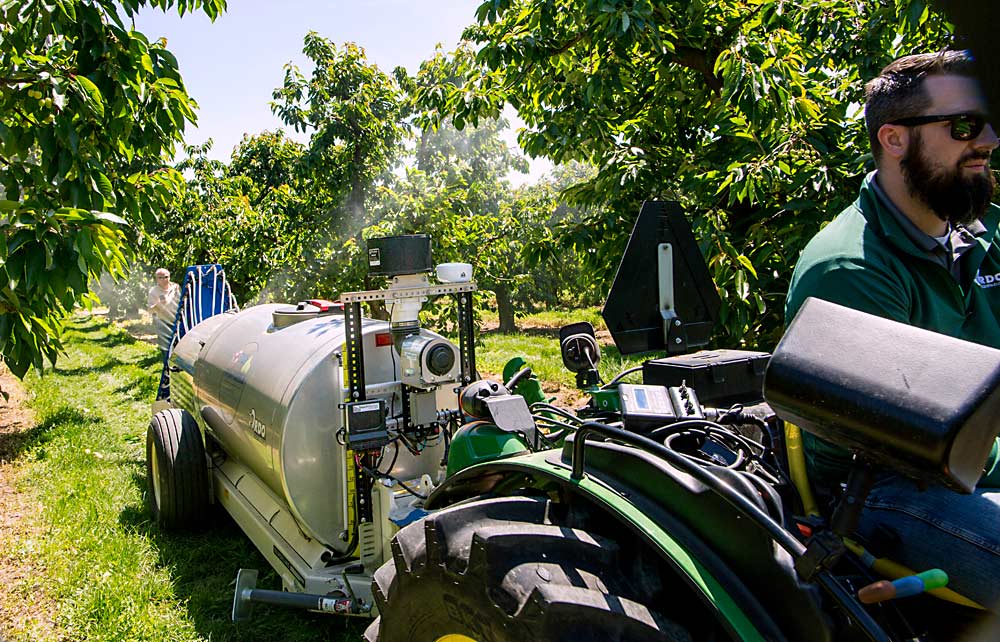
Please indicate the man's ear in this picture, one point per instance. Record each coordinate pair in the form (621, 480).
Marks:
(894, 139)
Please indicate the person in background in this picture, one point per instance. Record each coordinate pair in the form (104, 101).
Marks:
(162, 303)
(920, 246)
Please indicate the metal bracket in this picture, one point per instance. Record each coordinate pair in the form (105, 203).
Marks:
(466, 342)
(823, 551)
(396, 294)
(246, 582)
(354, 351)
(665, 272)
(674, 335)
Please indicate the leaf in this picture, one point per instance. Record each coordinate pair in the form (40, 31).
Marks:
(745, 262)
(108, 217)
(104, 186)
(91, 94)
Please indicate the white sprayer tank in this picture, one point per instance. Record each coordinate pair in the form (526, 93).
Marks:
(269, 396)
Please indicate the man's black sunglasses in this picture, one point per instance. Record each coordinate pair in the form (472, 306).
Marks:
(963, 126)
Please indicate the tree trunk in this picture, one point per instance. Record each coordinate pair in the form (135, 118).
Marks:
(505, 307)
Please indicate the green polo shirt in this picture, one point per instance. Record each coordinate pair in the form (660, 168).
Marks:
(865, 259)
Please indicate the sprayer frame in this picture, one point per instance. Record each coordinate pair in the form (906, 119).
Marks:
(352, 321)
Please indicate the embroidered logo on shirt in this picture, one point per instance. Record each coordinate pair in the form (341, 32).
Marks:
(988, 280)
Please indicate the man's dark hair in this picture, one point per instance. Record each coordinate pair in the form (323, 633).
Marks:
(898, 91)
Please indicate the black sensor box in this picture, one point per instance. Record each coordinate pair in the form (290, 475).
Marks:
(720, 377)
(366, 429)
(395, 255)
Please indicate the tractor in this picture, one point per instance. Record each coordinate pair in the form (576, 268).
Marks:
(381, 477)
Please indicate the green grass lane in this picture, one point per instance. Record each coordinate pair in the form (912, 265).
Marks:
(110, 572)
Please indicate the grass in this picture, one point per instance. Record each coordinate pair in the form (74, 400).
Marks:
(552, 318)
(541, 351)
(110, 572)
(538, 344)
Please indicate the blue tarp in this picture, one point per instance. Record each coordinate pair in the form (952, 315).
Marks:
(204, 293)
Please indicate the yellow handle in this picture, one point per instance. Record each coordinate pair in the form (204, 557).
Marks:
(797, 468)
(894, 570)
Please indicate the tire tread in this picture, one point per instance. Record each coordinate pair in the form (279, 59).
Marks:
(175, 440)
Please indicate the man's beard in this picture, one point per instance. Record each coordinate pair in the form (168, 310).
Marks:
(952, 196)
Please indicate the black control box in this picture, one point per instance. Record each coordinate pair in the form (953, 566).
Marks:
(721, 377)
(365, 423)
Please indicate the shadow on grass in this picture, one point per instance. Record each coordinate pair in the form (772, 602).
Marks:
(147, 361)
(87, 324)
(107, 366)
(203, 566)
(115, 340)
(141, 389)
(150, 361)
(13, 444)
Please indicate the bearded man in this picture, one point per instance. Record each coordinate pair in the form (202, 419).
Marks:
(919, 246)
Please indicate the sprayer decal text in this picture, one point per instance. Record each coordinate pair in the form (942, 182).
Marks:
(256, 426)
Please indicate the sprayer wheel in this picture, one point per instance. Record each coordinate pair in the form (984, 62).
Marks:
(176, 470)
(500, 570)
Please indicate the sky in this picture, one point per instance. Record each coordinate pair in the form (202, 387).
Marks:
(231, 66)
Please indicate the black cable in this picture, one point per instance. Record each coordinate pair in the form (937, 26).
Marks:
(708, 435)
(735, 415)
(554, 422)
(620, 376)
(556, 410)
(406, 442)
(376, 475)
(593, 366)
(756, 451)
(687, 423)
(446, 432)
(781, 536)
(549, 440)
(395, 456)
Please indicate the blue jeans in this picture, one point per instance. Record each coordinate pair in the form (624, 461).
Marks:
(940, 528)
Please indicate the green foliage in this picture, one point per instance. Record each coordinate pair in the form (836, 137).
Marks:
(562, 273)
(125, 296)
(745, 111)
(221, 216)
(88, 111)
(353, 111)
(457, 191)
(322, 191)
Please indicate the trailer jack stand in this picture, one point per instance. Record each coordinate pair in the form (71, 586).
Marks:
(247, 594)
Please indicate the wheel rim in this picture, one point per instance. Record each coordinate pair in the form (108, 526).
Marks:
(154, 463)
(454, 637)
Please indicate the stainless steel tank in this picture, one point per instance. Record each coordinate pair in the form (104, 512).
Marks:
(270, 397)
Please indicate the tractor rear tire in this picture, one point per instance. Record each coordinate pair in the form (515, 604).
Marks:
(176, 470)
(499, 570)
